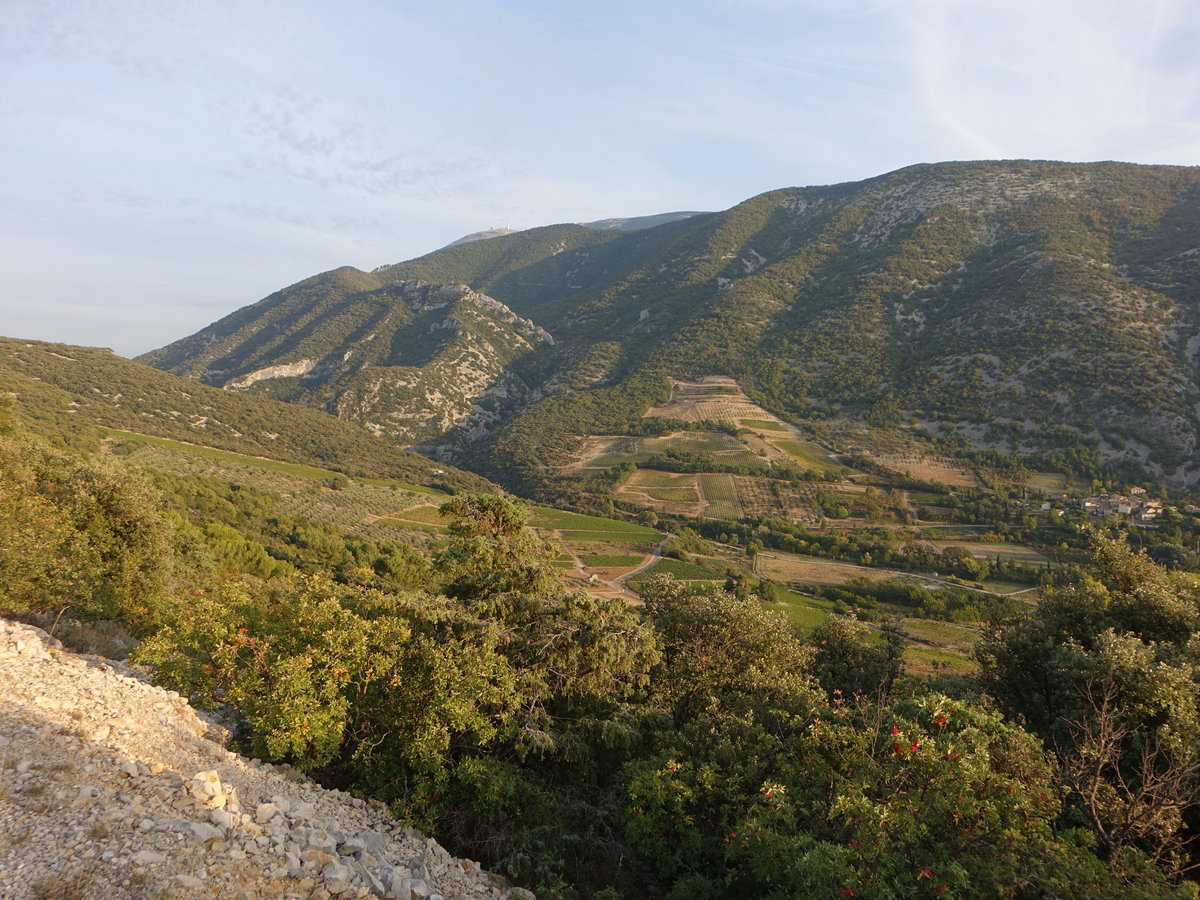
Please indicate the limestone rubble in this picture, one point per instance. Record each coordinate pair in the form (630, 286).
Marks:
(111, 787)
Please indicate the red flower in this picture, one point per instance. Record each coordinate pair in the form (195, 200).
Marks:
(915, 744)
(925, 873)
(899, 750)
(895, 731)
(845, 892)
(941, 720)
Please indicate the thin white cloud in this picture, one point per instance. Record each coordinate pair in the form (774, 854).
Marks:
(1068, 79)
(189, 154)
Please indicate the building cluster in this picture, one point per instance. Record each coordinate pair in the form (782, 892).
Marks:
(1136, 505)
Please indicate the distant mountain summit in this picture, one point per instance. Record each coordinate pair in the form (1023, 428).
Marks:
(635, 223)
(1030, 307)
(482, 236)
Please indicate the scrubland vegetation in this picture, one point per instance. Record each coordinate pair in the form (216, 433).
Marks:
(698, 746)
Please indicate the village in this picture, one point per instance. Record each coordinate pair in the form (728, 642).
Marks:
(1136, 506)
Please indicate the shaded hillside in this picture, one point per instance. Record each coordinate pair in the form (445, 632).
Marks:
(1024, 306)
(70, 392)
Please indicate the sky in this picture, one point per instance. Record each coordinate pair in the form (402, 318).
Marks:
(163, 163)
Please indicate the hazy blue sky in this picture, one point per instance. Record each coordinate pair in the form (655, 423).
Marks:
(165, 162)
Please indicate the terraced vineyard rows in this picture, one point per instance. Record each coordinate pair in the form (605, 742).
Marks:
(720, 495)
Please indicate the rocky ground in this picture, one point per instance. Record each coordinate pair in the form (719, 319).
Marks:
(113, 788)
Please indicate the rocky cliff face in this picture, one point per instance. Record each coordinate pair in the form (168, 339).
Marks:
(113, 788)
(402, 358)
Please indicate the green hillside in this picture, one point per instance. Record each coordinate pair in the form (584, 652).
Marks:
(1030, 307)
(73, 392)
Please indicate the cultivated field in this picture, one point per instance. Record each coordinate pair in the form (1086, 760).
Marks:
(812, 455)
(607, 451)
(575, 527)
(763, 425)
(1007, 552)
(712, 397)
(763, 497)
(790, 567)
(720, 496)
(664, 492)
(927, 468)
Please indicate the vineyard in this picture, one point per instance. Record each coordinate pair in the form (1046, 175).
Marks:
(776, 499)
(721, 496)
(714, 397)
(812, 455)
(666, 492)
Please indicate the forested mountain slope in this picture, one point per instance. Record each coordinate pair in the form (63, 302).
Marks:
(1021, 305)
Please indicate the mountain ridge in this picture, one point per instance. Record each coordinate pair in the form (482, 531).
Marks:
(1025, 306)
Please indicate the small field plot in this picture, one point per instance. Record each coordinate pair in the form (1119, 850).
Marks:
(763, 424)
(415, 488)
(928, 468)
(805, 613)
(578, 527)
(666, 486)
(610, 560)
(720, 495)
(944, 635)
(228, 456)
(925, 497)
(724, 447)
(715, 397)
(653, 478)
(608, 451)
(602, 537)
(777, 499)
(940, 532)
(921, 660)
(1028, 593)
(664, 492)
(765, 447)
(694, 442)
(812, 455)
(685, 571)
(404, 525)
(791, 567)
(945, 644)
(1006, 552)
